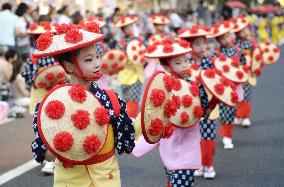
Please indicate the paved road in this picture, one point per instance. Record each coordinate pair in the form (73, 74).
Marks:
(257, 160)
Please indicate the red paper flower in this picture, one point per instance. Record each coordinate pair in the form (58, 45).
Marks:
(133, 48)
(266, 50)
(167, 41)
(226, 68)
(206, 28)
(168, 48)
(110, 56)
(169, 82)
(102, 116)
(135, 57)
(233, 86)
(184, 118)
(258, 72)
(81, 119)
(246, 68)
(61, 75)
(33, 26)
(77, 93)
(210, 73)
(114, 65)
(194, 30)
(156, 128)
(186, 100)
(170, 108)
(218, 72)
(50, 76)
(104, 66)
(121, 68)
(258, 57)
(63, 141)
(194, 90)
(270, 58)
(54, 109)
(216, 30)
(222, 58)
(151, 48)
(157, 97)
(184, 44)
(194, 67)
(63, 28)
(198, 111)
(122, 42)
(43, 42)
(225, 81)
(73, 36)
(177, 101)
(91, 144)
(182, 30)
(177, 85)
(121, 57)
(275, 50)
(219, 88)
(41, 85)
(240, 74)
(92, 27)
(234, 97)
(235, 63)
(47, 27)
(169, 131)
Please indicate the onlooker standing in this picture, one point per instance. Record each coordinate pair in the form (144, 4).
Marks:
(63, 15)
(176, 21)
(8, 22)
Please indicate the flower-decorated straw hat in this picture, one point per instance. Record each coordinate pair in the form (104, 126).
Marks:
(125, 20)
(135, 51)
(270, 52)
(194, 31)
(41, 28)
(257, 61)
(239, 23)
(92, 19)
(159, 19)
(219, 29)
(156, 38)
(113, 61)
(73, 125)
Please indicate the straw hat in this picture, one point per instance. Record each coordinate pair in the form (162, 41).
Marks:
(92, 19)
(159, 19)
(168, 48)
(72, 124)
(232, 69)
(135, 51)
(239, 23)
(219, 86)
(271, 52)
(41, 28)
(257, 61)
(156, 38)
(50, 76)
(68, 38)
(113, 61)
(194, 31)
(158, 107)
(220, 29)
(125, 20)
(194, 72)
(189, 109)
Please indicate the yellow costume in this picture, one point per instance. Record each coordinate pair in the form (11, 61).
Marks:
(36, 95)
(263, 35)
(275, 30)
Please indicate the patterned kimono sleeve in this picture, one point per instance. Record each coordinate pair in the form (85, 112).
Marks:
(38, 147)
(203, 96)
(29, 72)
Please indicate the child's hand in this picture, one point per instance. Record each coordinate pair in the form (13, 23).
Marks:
(207, 113)
(49, 156)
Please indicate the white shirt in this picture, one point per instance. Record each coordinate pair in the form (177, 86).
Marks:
(8, 23)
(22, 40)
(176, 21)
(63, 19)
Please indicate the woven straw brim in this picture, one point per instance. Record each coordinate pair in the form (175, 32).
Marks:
(188, 34)
(127, 21)
(231, 75)
(158, 53)
(268, 53)
(48, 127)
(100, 22)
(160, 20)
(40, 30)
(155, 38)
(176, 119)
(59, 45)
(149, 111)
(194, 73)
(131, 54)
(55, 69)
(222, 31)
(240, 27)
(209, 84)
(109, 66)
(256, 64)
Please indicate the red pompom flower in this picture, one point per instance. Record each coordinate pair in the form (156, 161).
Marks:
(102, 116)
(43, 42)
(225, 81)
(198, 111)
(63, 141)
(184, 118)
(73, 36)
(50, 76)
(63, 28)
(169, 82)
(177, 101)
(156, 128)
(194, 90)
(151, 48)
(81, 119)
(210, 73)
(186, 100)
(61, 75)
(169, 131)
(240, 74)
(170, 108)
(219, 88)
(157, 97)
(91, 144)
(177, 85)
(234, 97)
(92, 27)
(54, 109)
(226, 68)
(168, 48)
(184, 44)
(33, 26)
(77, 93)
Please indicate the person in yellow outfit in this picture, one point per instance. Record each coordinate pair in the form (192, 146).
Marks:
(262, 30)
(275, 32)
(79, 51)
(132, 77)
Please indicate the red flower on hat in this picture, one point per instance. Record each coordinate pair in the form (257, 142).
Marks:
(184, 118)
(225, 81)
(157, 97)
(169, 82)
(233, 86)
(258, 72)
(210, 73)
(177, 101)
(258, 57)
(198, 111)
(33, 26)
(194, 30)
(219, 88)
(184, 44)
(63, 28)
(216, 30)
(91, 144)
(47, 27)
(266, 50)
(206, 28)
(121, 57)
(73, 36)
(156, 127)
(50, 76)
(170, 108)
(236, 26)
(182, 30)
(122, 42)
(102, 116)
(63, 141)
(92, 27)
(121, 68)
(169, 129)
(222, 58)
(110, 56)
(43, 42)
(234, 97)
(77, 93)
(226, 68)
(114, 65)
(104, 66)
(246, 68)
(276, 50)
(194, 90)
(133, 48)
(167, 41)
(54, 109)
(41, 85)
(151, 48)
(135, 57)
(177, 85)
(226, 24)
(186, 100)
(235, 63)
(194, 67)
(61, 75)
(218, 72)
(81, 119)
(240, 74)
(168, 48)
(270, 58)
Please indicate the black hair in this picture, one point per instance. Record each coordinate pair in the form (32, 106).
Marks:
(44, 18)
(165, 61)
(62, 10)
(76, 17)
(64, 57)
(21, 9)
(10, 53)
(17, 64)
(6, 6)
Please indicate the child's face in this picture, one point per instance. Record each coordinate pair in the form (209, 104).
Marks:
(128, 30)
(199, 46)
(159, 28)
(242, 34)
(224, 40)
(179, 64)
(89, 61)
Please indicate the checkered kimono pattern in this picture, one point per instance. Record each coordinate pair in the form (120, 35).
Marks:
(181, 178)
(247, 92)
(30, 68)
(124, 133)
(207, 126)
(233, 51)
(132, 92)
